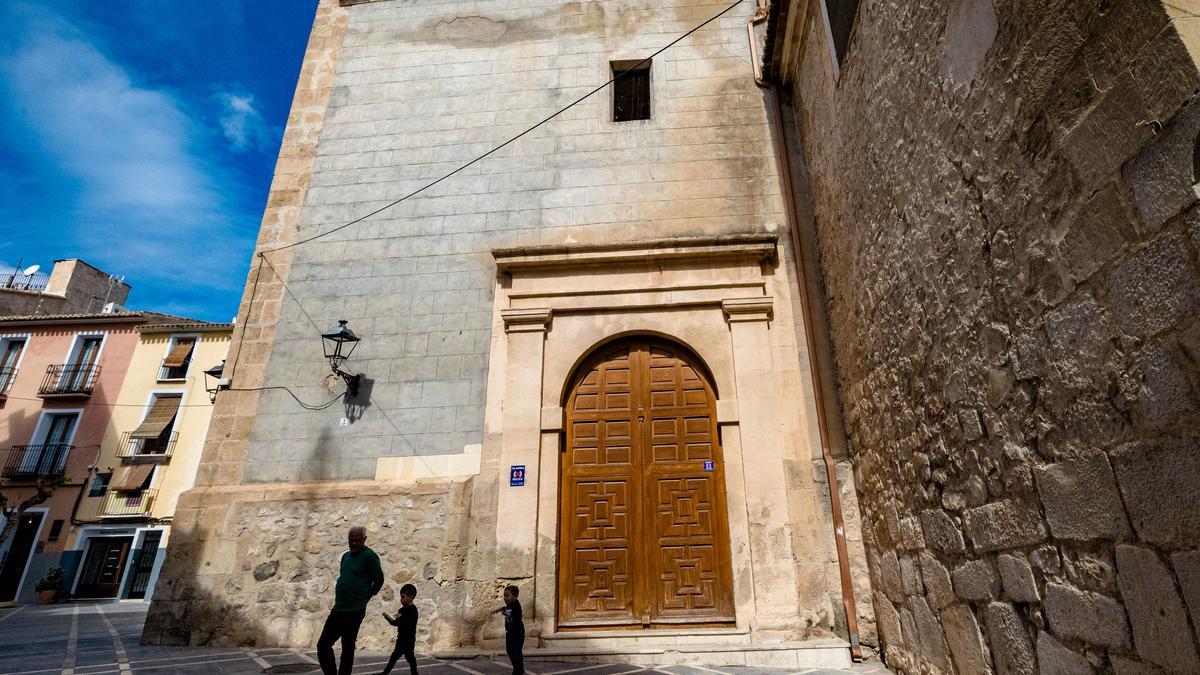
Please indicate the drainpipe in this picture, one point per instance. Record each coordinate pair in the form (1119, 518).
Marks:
(775, 112)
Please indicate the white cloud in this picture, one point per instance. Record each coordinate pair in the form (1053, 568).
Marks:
(243, 124)
(151, 193)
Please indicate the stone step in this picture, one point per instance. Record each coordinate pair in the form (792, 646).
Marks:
(716, 651)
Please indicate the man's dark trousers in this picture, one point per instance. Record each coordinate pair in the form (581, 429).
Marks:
(344, 626)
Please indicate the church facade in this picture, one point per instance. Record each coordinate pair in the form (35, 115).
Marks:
(589, 363)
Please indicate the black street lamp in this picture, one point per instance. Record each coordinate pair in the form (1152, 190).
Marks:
(214, 382)
(339, 343)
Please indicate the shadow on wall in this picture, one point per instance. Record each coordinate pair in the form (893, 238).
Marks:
(256, 565)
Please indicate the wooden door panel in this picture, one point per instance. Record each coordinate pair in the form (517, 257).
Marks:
(645, 537)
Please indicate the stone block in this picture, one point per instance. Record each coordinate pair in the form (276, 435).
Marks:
(889, 577)
(1155, 609)
(911, 538)
(910, 576)
(965, 640)
(930, 637)
(976, 580)
(938, 587)
(1008, 634)
(1079, 339)
(1091, 617)
(1002, 525)
(1098, 233)
(1158, 481)
(941, 534)
(1018, 581)
(1126, 665)
(1164, 391)
(1153, 289)
(1081, 499)
(1161, 175)
(888, 621)
(1187, 570)
(1055, 659)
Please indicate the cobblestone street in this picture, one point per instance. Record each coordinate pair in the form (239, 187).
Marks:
(95, 638)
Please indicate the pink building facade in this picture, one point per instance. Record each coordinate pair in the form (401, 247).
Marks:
(59, 378)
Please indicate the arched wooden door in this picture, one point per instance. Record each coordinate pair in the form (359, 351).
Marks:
(644, 532)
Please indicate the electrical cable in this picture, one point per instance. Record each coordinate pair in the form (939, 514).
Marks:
(505, 143)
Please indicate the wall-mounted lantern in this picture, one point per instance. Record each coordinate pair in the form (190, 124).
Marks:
(339, 343)
(214, 381)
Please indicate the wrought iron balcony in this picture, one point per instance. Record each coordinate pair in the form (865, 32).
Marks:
(33, 461)
(69, 379)
(136, 504)
(7, 375)
(146, 450)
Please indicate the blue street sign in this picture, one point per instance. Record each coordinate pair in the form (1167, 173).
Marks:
(516, 475)
(708, 466)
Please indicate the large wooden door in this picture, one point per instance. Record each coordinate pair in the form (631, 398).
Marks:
(644, 532)
(103, 567)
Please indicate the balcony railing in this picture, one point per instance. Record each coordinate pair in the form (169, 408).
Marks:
(168, 373)
(69, 379)
(7, 375)
(145, 450)
(128, 504)
(32, 461)
(24, 282)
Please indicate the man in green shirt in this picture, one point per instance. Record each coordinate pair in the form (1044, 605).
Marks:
(359, 579)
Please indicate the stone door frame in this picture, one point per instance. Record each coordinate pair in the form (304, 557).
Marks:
(556, 306)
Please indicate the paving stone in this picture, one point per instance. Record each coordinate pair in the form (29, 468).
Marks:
(1017, 576)
(1081, 500)
(1155, 609)
(1055, 659)
(1082, 615)
(937, 581)
(1002, 525)
(976, 580)
(1158, 482)
(1008, 635)
(965, 640)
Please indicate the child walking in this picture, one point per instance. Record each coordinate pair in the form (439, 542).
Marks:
(514, 629)
(405, 622)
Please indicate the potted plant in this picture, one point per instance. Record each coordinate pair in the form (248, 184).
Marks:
(49, 586)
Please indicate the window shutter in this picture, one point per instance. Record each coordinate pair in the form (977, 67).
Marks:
(159, 418)
(180, 353)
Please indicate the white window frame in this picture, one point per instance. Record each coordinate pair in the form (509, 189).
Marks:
(152, 396)
(8, 337)
(77, 344)
(176, 337)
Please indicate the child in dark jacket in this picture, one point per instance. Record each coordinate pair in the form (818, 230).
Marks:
(405, 622)
(514, 629)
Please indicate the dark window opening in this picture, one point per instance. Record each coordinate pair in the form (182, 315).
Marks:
(99, 485)
(55, 530)
(631, 91)
(841, 22)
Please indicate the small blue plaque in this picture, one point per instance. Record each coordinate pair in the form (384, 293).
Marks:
(708, 466)
(516, 475)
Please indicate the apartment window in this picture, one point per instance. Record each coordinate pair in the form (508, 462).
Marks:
(155, 434)
(99, 484)
(841, 22)
(10, 355)
(631, 91)
(55, 530)
(47, 452)
(178, 359)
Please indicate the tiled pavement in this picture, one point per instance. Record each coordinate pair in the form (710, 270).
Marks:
(95, 638)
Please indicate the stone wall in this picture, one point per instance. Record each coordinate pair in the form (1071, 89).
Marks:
(1010, 244)
(259, 567)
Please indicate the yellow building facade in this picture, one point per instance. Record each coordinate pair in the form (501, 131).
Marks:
(149, 455)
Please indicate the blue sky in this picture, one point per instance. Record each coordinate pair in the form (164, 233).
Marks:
(141, 137)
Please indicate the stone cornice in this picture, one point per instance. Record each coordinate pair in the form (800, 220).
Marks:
(526, 320)
(747, 309)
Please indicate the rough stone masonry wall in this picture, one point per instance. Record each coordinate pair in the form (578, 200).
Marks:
(1011, 247)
